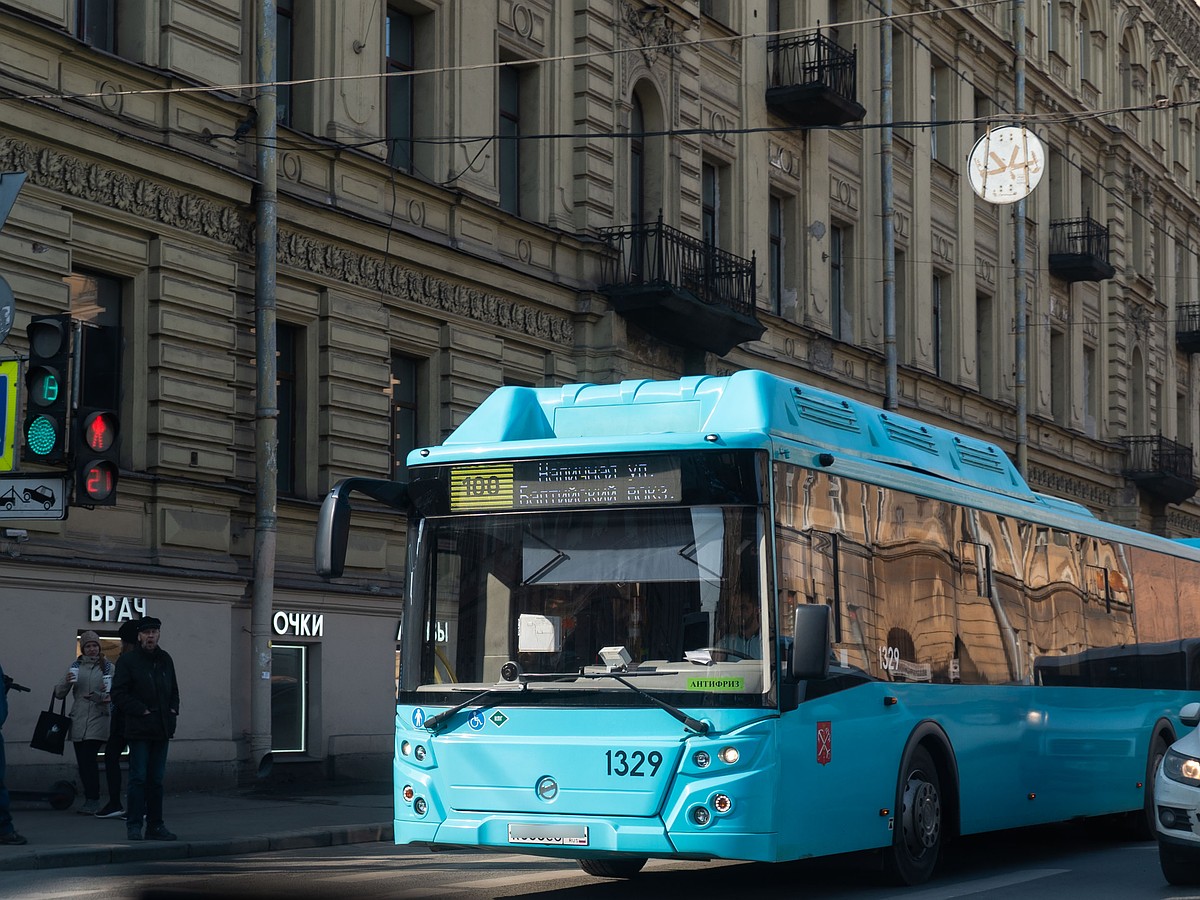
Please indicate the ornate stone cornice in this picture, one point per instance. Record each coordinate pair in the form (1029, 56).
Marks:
(227, 224)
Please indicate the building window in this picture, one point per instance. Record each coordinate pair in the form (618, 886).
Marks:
(1051, 26)
(637, 164)
(400, 58)
(405, 372)
(939, 111)
(839, 315)
(286, 381)
(1060, 386)
(940, 303)
(96, 23)
(284, 53)
(1090, 386)
(1084, 48)
(775, 252)
(904, 337)
(509, 147)
(289, 698)
(710, 205)
(985, 345)
(96, 302)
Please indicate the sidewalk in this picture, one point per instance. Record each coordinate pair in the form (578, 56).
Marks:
(220, 823)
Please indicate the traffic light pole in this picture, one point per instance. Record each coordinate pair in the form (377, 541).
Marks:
(266, 419)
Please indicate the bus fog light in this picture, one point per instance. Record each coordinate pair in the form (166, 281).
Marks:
(407, 793)
(701, 815)
(721, 803)
(420, 807)
(701, 759)
(419, 753)
(729, 755)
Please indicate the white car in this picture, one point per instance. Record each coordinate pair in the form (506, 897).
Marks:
(1177, 804)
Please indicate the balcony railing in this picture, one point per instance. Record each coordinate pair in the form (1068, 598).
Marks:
(1160, 467)
(1079, 250)
(813, 81)
(680, 288)
(1187, 327)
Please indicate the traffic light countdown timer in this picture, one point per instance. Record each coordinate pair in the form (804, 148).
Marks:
(95, 460)
(46, 383)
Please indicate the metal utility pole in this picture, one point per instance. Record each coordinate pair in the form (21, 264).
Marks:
(266, 414)
(1019, 287)
(887, 190)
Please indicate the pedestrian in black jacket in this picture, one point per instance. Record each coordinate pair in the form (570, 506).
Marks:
(115, 745)
(147, 695)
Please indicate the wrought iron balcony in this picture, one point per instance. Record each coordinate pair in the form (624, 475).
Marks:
(1187, 327)
(679, 288)
(1079, 250)
(813, 81)
(1160, 467)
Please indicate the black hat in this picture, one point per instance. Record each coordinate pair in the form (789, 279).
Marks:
(128, 632)
(148, 622)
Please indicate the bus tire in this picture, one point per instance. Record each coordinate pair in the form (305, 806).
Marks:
(1180, 865)
(917, 837)
(1139, 824)
(613, 867)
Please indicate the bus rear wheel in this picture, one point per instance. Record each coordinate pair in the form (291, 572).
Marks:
(615, 867)
(917, 839)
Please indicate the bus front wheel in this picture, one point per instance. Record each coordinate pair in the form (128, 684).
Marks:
(615, 867)
(917, 839)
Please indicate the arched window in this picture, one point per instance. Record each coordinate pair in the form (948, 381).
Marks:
(637, 164)
(1083, 46)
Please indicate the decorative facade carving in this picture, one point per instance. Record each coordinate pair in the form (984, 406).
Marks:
(226, 224)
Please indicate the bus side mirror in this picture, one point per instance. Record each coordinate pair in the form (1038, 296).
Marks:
(333, 522)
(810, 646)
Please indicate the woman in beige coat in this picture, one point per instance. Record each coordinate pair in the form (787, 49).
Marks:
(88, 679)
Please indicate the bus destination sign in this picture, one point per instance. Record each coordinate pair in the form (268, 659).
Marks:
(565, 482)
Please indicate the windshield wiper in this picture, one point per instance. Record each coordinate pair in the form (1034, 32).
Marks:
(695, 725)
(434, 722)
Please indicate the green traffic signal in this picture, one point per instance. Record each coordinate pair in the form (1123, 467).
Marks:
(42, 436)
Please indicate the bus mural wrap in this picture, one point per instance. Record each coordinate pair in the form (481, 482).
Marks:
(744, 618)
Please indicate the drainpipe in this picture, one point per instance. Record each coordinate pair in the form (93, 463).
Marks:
(891, 379)
(1019, 287)
(266, 414)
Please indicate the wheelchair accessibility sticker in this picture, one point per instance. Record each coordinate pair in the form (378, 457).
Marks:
(476, 720)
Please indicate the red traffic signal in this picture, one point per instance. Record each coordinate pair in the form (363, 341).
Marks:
(96, 463)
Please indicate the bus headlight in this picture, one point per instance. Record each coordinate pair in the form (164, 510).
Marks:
(420, 807)
(729, 755)
(701, 759)
(419, 752)
(405, 748)
(1181, 768)
(701, 815)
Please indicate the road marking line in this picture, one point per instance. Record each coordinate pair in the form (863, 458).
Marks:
(979, 886)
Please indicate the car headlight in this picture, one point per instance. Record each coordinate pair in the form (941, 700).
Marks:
(1182, 768)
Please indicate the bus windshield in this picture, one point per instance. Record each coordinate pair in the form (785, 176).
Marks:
(678, 588)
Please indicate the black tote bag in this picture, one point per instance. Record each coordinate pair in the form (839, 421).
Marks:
(52, 729)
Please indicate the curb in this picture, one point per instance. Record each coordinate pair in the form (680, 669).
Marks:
(152, 850)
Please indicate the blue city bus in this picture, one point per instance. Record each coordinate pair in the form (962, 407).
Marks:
(745, 618)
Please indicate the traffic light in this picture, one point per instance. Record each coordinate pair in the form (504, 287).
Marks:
(46, 383)
(95, 456)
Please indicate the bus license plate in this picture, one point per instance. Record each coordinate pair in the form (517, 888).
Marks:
(554, 835)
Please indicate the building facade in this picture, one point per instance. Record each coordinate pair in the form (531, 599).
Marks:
(482, 192)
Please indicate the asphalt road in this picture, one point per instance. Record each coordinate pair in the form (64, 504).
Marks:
(1049, 863)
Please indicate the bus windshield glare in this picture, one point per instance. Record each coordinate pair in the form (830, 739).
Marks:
(677, 587)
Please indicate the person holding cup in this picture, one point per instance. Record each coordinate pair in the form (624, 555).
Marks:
(88, 680)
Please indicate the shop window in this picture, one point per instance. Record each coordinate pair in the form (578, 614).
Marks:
(289, 698)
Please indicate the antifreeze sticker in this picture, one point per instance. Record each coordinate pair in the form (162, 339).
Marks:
(716, 684)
